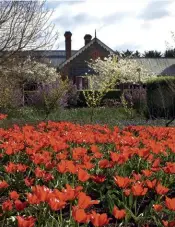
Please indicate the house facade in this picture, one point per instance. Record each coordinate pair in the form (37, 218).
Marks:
(73, 63)
(75, 66)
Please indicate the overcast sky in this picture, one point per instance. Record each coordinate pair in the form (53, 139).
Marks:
(120, 24)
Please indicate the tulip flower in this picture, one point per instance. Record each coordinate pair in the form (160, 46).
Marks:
(99, 219)
(118, 214)
(170, 203)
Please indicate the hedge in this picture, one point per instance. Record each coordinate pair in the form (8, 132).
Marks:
(161, 97)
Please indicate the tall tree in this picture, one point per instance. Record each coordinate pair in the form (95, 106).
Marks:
(127, 53)
(136, 54)
(152, 54)
(25, 25)
(169, 53)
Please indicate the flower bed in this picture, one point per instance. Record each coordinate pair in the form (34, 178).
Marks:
(62, 174)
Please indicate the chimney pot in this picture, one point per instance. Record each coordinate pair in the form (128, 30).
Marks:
(87, 38)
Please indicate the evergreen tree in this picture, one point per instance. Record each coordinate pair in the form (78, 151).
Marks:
(127, 53)
(137, 54)
(152, 54)
(169, 53)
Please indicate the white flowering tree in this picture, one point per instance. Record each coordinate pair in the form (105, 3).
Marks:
(21, 73)
(110, 72)
(29, 70)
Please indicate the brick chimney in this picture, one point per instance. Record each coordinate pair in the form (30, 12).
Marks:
(87, 39)
(68, 35)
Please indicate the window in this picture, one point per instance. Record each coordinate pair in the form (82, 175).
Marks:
(95, 54)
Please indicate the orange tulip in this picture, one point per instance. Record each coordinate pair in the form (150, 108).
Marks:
(32, 199)
(56, 204)
(14, 195)
(57, 195)
(20, 205)
(104, 163)
(147, 172)
(99, 219)
(144, 152)
(42, 192)
(7, 205)
(83, 175)
(71, 193)
(137, 177)
(3, 184)
(161, 190)
(98, 155)
(168, 224)
(118, 158)
(127, 191)
(118, 214)
(94, 148)
(61, 167)
(61, 156)
(151, 184)
(29, 181)
(156, 165)
(98, 178)
(157, 207)
(138, 190)
(85, 201)
(122, 182)
(170, 168)
(78, 153)
(170, 203)
(71, 167)
(79, 215)
(26, 221)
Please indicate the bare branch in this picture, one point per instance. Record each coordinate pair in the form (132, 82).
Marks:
(25, 25)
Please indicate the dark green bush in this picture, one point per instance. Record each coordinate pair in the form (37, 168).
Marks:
(161, 97)
(112, 94)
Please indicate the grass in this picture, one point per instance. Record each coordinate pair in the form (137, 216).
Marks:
(101, 115)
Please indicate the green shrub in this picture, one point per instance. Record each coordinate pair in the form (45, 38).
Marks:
(161, 97)
(112, 94)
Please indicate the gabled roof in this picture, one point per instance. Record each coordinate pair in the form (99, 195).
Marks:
(84, 48)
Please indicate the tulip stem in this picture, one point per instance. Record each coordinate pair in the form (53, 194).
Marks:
(116, 223)
(61, 216)
(39, 217)
(3, 221)
(135, 206)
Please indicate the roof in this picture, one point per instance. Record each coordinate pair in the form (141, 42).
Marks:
(84, 48)
(159, 66)
(56, 57)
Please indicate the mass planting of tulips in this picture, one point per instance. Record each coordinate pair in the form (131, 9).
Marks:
(60, 174)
